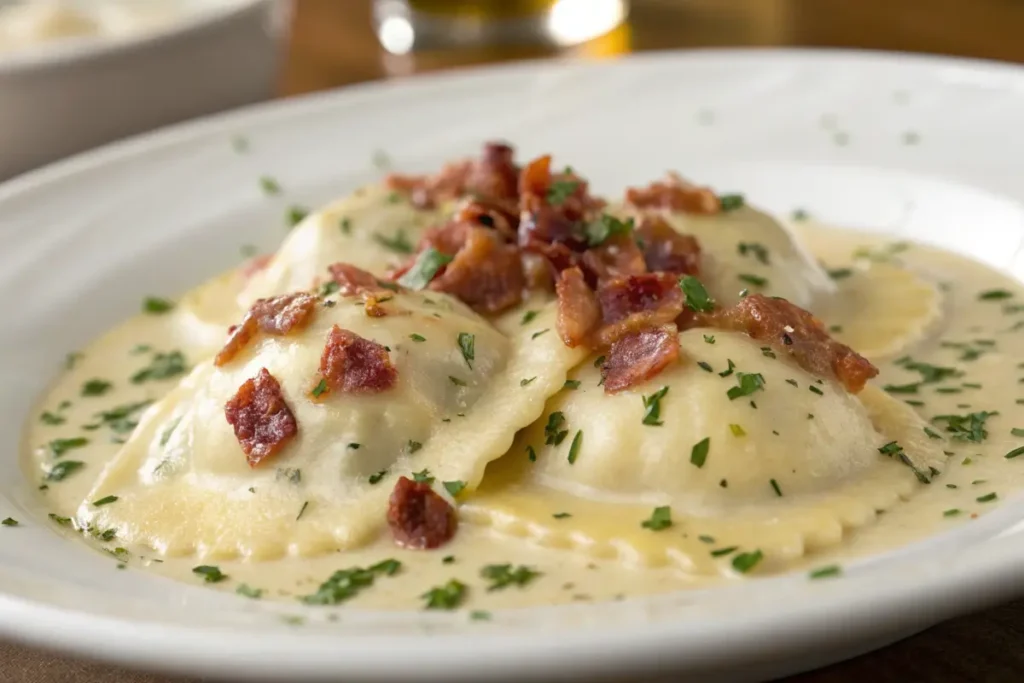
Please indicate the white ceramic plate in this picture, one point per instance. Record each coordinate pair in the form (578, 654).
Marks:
(81, 241)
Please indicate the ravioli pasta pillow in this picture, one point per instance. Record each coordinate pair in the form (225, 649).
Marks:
(442, 394)
(374, 228)
(737, 446)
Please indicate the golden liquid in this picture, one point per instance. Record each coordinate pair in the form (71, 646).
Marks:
(482, 9)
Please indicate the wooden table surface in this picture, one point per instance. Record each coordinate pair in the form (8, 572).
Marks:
(333, 45)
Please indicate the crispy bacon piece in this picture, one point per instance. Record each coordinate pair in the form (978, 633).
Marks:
(354, 365)
(277, 315)
(493, 176)
(420, 518)
(792, 330)
(636, 303)
(617, 257)
(486, 273)
(578, 310)
(490, 214)
(667, 250)
(676, 194)
(352, 280)
(639, 356)
(262, 421)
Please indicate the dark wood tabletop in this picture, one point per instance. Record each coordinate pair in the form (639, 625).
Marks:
(333, 45)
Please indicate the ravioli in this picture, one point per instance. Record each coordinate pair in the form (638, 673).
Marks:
(882, 309)
(747, 249)
(776, 466)
(374, 228)
(183, 483)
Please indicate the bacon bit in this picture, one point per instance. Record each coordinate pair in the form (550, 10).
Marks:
(617, 257)
(352, 280)
(676, 194)
(280, 315)
(490, 214)
(493, 177)
(447, 238)
(261, 419)
(419, 518)
(639, 356)
(578, 310)
(667, 250)
(792, 330)
(372, 305)
(354, 365)
(635, 303)
(486, 273)
(277, 315)
(239, 337)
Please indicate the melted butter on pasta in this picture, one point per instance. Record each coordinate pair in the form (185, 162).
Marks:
(372, 228)
(182, 481)
(783, 467)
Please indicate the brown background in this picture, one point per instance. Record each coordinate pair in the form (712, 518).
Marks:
(333, 45)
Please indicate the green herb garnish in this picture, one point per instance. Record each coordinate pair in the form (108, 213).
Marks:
(454, 488)
(744, 562)
(209, 573)
(163, 366)
(347, 583)
(467, 344)
(697, 298)
(427, 263)
(829, 572)
(604, 228)
(553, 432)
(731, 202)
(652, 408)
(96, 387)
(747, 384)
(503, 575)
(156, 305)
(661, 518)
(106, 500)
(320, 388)
(399, 243)
(699, 452)
(62, 469)
(447, 597)
(574, 447)
(248, 591)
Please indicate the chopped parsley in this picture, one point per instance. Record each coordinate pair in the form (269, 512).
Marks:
(731, 202)
(560, 190)
(295, 215)
(529, 316)
(652, 407)
(969, 427)
(59, 447)
(1017, 431)
(722, 552)
(728, 370)
(753, 248)
(574, 447)
(994, 295)
(604, 228)
(744, 562)
(163, 366)
(269, 185)
(737, 430)
(423, 477)
(417, 338)
(320, 387)
(553, 432)
(571, 384)
(816, 390)
(62, 469)
(952, 512)
(829, 572)
(894, 450)
(709, 339)
(399, 243)
(456, 381)
(839, 273)
(413, 446)
(96, 387)
(448, 597)
(699, 452)
(775, 487)
(10, 521)
(467, 344)
(987, 498)
(57, 519)
(661, 518)
(503, 575)
(599, 361)
(454, 488)
(302, 510)
(561, 515)
(248, 591)
(767, 352)
(209, 573)
(1014, 453)
(705, 366)
(347, 583)
(750, 279)
(480, 615)
(106, 500)
(377, 476)
(49, 418)
(156, 305)
(526, 381)
(531, 454)
(697, 298)
(345, 224)
(747, 384)
(427, 263)
(537, 334)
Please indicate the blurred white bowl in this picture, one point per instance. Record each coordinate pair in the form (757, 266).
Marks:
(64, 96)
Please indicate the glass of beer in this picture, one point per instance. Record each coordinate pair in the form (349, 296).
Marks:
(406, 25)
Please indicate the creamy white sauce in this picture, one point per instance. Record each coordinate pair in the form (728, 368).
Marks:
(979, 337)
(27, 23)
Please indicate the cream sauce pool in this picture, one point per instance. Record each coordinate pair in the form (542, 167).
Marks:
(981, 336)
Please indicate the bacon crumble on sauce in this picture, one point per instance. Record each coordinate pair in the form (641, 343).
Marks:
(419, 517)
(262, 421)
(616, 283)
